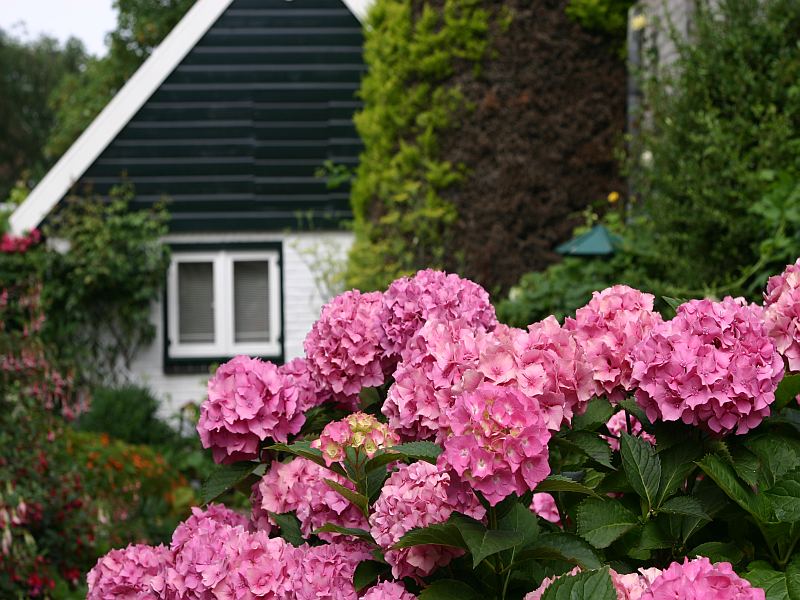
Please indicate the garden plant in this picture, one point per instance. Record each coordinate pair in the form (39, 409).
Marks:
(421, 449)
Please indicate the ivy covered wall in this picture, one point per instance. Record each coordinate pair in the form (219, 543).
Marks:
(487, 127)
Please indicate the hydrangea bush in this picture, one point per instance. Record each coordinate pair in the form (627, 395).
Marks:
(422, 450)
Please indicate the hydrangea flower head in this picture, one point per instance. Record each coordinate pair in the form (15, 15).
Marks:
(248, 401)
(343, 348)
(388, 590)
(326, 572)
(418, 495)
(607, 328)
(310, 392)
(419, 401)
(782, 313)
(699, 579)
(137, 571)
(299, 486)
(498, 442)
(359, 431)
(410, 302)
(713, 365)
(630, 586)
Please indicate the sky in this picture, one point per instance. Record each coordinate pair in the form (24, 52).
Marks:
(87, 20)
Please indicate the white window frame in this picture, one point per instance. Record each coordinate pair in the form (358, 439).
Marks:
(223, 305)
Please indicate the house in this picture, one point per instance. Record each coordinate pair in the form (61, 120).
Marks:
(230, 118)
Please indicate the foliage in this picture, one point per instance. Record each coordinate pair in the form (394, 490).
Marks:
(610, 16)
(98, 293)
(400, 216)
(29, 72)
(141, 25)
(721, 138)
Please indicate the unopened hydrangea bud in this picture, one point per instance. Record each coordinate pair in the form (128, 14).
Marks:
(359, 431)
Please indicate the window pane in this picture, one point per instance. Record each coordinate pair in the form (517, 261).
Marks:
(251, 301)
(196, 303)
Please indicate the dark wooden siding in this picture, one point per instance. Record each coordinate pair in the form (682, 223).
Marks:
(235, 134)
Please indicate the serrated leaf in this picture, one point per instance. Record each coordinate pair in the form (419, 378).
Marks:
(562, 546)
(630, 405)
(785, 497)
(360, 500)
(685, 506)
(441, 534)
(367, 573)
(227, 477)
(601, 521)
(776, 585)
(559, 483)
(483, 542)
(747, 465)
(788, 389)
(351, 531)
(592, 446)
(642, 466)
(427, 451)
(673, 303)
(597, 413)
(653, 538)
(777, 454)
(522, 520)
(677, 463)
(289, 526)
(724, 476)
(368, 396)
(588, 585)
(719, 552)
(304, 450)
(449, 589)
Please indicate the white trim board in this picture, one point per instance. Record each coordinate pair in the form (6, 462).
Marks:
(122, 108)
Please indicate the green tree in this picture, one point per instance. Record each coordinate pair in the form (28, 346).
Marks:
(29, 72)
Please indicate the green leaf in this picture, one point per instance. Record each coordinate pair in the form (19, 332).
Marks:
(441, 534)
(562, 546)
(227, 477)
(724, 476)
(630, 405)
(778, 454)
(788, 389)
(367, 573)
(776, 585)
(597, 413)
(673, 303)
(685, 506)
(290, 527)
(601, 521)
(677, 463)
(368, 397)
(483, 542)
(351, 531)
(785, 497)
(449, 589)
(719, 552)
(427, 451)
(304, 450)
(522, 520)
(642, 466)
(560, 483)
(589, 585)
(360, 500)
(653, 537)
(747, 465)
(380, 459)
(592, 446)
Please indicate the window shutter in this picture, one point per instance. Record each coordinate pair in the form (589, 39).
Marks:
(251, 301)
(195, 302)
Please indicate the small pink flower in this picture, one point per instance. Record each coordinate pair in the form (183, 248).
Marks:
(137, 571)
(388, 590)
(618, 423)
(544, 505)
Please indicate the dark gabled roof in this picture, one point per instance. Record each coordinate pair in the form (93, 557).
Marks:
(234, 132)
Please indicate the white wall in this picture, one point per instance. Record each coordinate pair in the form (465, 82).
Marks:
(302, 302)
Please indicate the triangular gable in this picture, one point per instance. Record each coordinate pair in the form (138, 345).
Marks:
(123, 107)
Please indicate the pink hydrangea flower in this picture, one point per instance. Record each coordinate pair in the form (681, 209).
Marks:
(630, 586)
(248, 401)
(202, 556)
(326, 572)
(544, 505)
(359, 431)
(410, 302)
(418, 495)
(782, 313)
(698, 579)
(607, 328)
(343, 348)
(388, 590)
(618, 423)
(498, 442)
(310, 392)
(299, 486)
(136, 572)
(712, 365)
(419, 401)
(257, 567)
